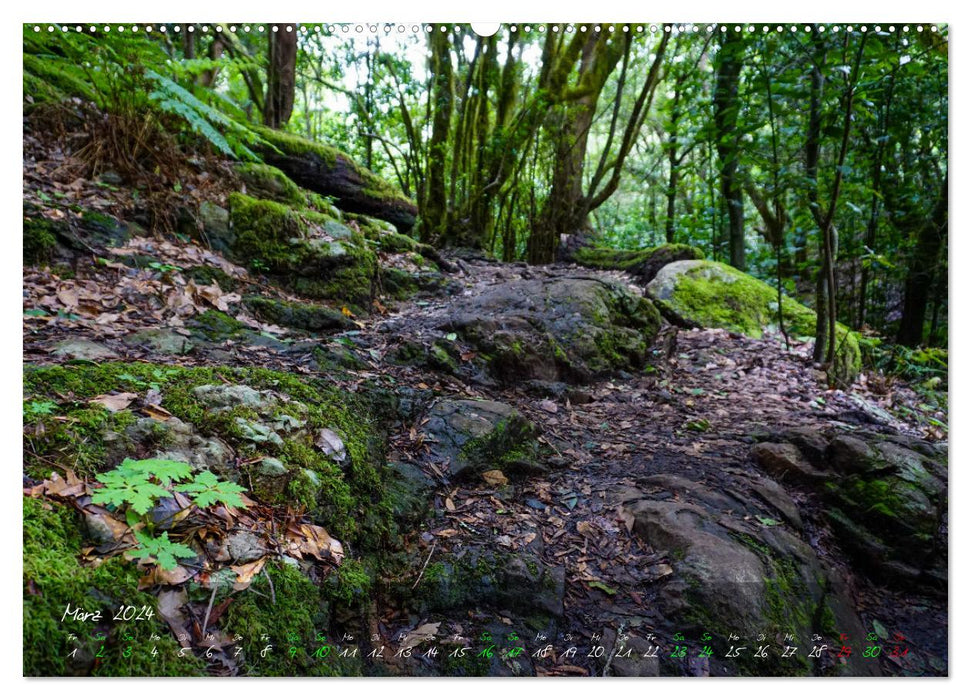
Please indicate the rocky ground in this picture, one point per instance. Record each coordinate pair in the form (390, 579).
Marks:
(498, 462)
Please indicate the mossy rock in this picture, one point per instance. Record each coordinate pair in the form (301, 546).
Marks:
(79, 233)
(732, 576)
(208, 274)
(565, 329)
(291, 314)
(284, 241)
(480, 578)
(643, 265)
(351, 498)
(215, 326)
(53, 579)
(266, 182)
(886, 496)
(709, 294)
(476, 436)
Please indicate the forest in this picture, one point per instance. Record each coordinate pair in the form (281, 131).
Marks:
(401, 349)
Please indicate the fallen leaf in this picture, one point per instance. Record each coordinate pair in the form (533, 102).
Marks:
(548, 406)
(156, 412)
(115, 402)
(494, 477)
(170, 603)
(601, 586)
(449, 504)
(331, 445)
(246, 572)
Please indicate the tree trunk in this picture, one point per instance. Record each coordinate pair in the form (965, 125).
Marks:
(729, 60)
(280, 76)
(920, 275)
(564, 212)
(435, 206)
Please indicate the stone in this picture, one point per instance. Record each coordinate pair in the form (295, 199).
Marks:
(886, 496)
(181, 443)
(785, 461)
(639, 664)
(164, 341)
(732, 574)
(221, 397)
(469, 436)
(520, 582)
(271, 467)
(566, 328)
(307, 317)
(777, 497)
(245, 546)
(80, 349)
(257, 432)
(214, 221)
(409, 493)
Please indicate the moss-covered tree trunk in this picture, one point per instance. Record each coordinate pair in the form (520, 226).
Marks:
(729, 67)
(434, 208)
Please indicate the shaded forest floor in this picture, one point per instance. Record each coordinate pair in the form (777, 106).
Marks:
(689, 422)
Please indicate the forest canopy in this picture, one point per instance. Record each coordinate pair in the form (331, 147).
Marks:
(744, 141)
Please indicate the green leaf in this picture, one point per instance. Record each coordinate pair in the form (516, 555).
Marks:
(601, 586)
(163, 550)
(208, 490)
(768, 522)
(122, 485)
(165, 470)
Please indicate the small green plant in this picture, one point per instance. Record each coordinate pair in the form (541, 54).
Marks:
(35, 409)
(162, 549)
(136, 486)
(158, 373)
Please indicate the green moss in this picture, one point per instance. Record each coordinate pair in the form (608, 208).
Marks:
(351, 499)
(264, 230)
(399, 284)
(352, 583)
(39, 240)
(273, 237)
(290, 617)
(53, 578)
(511, 445)
(215, 325)
(266, 182)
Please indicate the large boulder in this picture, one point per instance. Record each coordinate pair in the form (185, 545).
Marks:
(738, 572)
(570, 328)
(707, 294)
(332, 173)
(884, 496)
